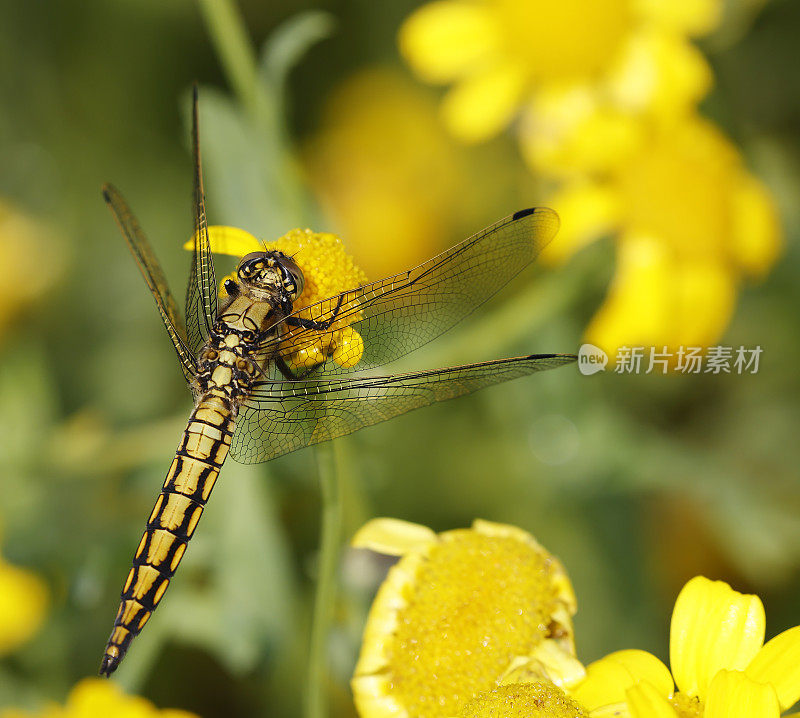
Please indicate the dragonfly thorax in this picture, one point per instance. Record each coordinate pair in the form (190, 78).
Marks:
(271, 276)
(226, 364)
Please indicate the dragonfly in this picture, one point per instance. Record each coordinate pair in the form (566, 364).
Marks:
(252, 403)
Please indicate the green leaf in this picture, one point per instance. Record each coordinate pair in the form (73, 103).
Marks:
(250, 179)
(287, 45)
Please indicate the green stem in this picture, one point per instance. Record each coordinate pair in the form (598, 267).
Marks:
(316, 703)
(238, 56)
(239, 60)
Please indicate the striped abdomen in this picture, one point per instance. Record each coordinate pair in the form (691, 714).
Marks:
(189, 481)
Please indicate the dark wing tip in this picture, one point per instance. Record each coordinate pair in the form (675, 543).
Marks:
(523, 213)
(106, 190)
(108, 665)
(544, 220)
(195, 91)
(541, 211)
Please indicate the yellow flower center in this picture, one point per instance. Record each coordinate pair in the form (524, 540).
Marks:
(687, 706)
(328, 269)
(567, 39)
(477, 602)
(523, 700)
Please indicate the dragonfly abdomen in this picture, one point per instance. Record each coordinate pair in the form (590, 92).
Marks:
(188, 485)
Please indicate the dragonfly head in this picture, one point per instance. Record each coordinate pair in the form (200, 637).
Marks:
(273, 273)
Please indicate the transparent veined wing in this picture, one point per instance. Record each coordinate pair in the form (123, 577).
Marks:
(201, 292)
(398, 314)
(153, 276)
(279, 417)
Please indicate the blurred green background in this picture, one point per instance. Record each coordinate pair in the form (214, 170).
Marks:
(636, 482)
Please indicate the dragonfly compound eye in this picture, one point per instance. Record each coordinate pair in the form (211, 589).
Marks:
(293, 279)
(251, 265)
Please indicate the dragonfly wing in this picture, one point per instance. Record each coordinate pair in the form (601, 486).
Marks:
(153, 276)
(398, 314)
(280, 417)
(201, 292)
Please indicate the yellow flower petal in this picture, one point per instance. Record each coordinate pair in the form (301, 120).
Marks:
(568, 131)
(374, 699)
(647, 701)
(713, 628)
(549, 660)
(443, 40)
(660, 73)
(705, 293)
(608, 679)
(384, 616)
(95, 697)
(657, 299)
(589, 211)
(778, 663)
(481, 105)
(229, 240)
(393, 537)
(756, 232)
(493, 528)
(733, 695)
(680, 187)
(694, 17)
(23, 602)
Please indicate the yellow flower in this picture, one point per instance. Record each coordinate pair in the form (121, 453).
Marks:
(327, 269)
(573, 65)
(523, 700)
(461, 612)
(23, 604)
(99, 698)
(386, 172)
(720, 664)
(27, 251)
(691, 223)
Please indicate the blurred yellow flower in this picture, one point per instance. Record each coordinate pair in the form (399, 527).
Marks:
(23, 604)
(99, 698)
(328, 270)
(385, 171)
(461, 612)
(720, 664)
(573, 66)
(691, 222)
(27, 250)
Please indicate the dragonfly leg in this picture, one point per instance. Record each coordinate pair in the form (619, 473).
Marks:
(311, 324)
(231, 288)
